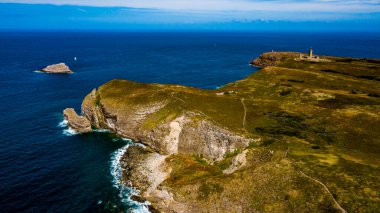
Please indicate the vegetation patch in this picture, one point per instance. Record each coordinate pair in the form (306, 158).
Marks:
(341, 101)
(296, 81)
(209, 188)
(187, 169)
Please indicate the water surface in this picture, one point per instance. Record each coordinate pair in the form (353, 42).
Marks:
(44, 170)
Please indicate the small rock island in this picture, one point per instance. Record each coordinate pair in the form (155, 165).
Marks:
(295, 136)
(60, 68)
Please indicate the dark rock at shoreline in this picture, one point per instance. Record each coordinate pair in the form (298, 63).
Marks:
(60, 68)
(138, 199)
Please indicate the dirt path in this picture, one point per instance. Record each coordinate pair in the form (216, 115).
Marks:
(317, 181)
(186, 108)
(179, 99)
(327, 189)
(245, 112)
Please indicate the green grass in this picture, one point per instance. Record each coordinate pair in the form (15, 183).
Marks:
(188, 169)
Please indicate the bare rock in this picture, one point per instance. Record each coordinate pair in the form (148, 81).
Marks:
(146, 170)
(209, 140)
(79, 123)
(237, 162)
(60, 68)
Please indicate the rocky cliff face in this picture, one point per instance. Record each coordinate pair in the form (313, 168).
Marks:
(181, 134)
(186, 132)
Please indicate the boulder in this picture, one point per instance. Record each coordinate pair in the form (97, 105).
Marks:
(79, 123)
(60, 68)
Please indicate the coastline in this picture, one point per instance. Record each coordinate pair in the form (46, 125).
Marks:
(126, 190)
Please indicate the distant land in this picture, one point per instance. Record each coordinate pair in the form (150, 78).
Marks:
(299, 135)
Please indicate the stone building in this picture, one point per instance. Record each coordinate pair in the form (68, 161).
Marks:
(310, 56)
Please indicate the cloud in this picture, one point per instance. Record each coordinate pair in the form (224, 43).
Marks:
(48, 16)
(337, 6)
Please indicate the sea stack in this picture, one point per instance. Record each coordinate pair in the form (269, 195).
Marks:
(60, 68)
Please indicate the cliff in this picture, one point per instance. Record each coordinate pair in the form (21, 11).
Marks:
(164, 117)
(296, 136)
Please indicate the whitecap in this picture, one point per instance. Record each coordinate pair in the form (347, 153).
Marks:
(69, 132)
(127, 140)
(63, 123)
(120, 184)
(38, 71)
(102, 130)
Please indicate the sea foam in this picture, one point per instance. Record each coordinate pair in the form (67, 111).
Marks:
(101, 130)
(68, 131)
(120, 184)
(63, 123)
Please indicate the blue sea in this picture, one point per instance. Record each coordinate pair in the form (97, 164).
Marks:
(45, 168)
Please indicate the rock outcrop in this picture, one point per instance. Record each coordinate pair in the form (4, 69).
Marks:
(60, 68)
(79, 123)
(272, 58)
(237, 162)
(146, 170)
(209, 140)
(181, 133)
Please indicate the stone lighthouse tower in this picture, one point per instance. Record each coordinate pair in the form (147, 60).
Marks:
(311, 52)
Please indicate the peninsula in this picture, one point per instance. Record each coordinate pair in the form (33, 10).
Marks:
(295, 136)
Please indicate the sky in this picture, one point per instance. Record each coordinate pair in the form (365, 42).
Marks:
(290, 15)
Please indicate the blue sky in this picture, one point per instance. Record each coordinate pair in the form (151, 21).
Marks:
(313, 15)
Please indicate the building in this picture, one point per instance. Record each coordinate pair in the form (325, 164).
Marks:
(310, 56)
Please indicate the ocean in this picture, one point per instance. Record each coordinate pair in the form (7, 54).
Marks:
(45, 168)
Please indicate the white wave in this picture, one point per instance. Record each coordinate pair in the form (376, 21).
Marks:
(69, 132)
(63, 123)
(101, 130)
(120, 183)
(122, 140)
(38, 71)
